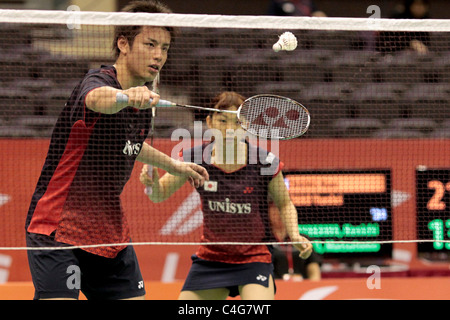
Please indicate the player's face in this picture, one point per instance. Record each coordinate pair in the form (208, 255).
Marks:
(225, 122)
(148, 54)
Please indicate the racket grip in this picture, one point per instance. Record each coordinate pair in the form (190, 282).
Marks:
(148, 190)
(123, 98)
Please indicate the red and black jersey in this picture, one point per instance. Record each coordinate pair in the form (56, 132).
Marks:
(235, 207)
(89, 161)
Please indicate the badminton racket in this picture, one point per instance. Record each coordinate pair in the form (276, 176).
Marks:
(266, 115)
(148, 190)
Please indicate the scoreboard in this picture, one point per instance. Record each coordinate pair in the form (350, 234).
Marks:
(433, 209)
(347, 212)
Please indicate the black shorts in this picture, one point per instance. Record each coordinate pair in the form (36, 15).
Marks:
(205, 275)
(63, 273)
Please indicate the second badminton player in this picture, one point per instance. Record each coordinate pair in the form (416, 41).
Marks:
(235, 209)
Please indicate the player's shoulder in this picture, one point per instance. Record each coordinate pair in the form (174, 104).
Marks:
(105, 72)
(108, 70)
(265, 162)
(263, 156)
(99, 77)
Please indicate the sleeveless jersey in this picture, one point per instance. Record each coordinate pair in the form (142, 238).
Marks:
(235, 207)
(89, 161)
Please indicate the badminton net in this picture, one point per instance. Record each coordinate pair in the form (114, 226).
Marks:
(359, 178)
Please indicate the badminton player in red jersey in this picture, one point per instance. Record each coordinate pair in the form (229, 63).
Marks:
(235, 209)
(93, 148)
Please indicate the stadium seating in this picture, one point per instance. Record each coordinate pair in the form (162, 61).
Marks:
(349, 89)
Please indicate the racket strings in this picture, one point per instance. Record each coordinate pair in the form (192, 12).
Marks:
(274, 117)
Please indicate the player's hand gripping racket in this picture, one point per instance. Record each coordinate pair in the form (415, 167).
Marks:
(265, 115)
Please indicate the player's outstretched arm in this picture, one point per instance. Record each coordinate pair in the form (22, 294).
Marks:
(288, 213)
(162, 188)
(103, 99)
(188, 170)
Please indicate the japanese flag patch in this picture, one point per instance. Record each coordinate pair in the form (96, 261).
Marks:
(210, 186)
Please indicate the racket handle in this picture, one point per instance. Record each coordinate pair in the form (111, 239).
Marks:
(123, 98)
(148, 190)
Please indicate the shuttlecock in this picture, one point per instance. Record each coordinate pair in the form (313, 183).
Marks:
(287, 41)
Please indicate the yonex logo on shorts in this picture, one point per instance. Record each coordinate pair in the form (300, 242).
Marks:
(262, 278)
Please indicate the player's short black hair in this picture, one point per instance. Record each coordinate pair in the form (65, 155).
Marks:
(130, 32)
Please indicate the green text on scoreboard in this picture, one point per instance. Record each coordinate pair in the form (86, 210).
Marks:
(347, 212)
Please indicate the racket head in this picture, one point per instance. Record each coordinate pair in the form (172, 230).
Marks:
(274, 117)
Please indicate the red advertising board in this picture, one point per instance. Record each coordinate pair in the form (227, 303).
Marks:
(22, 161)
